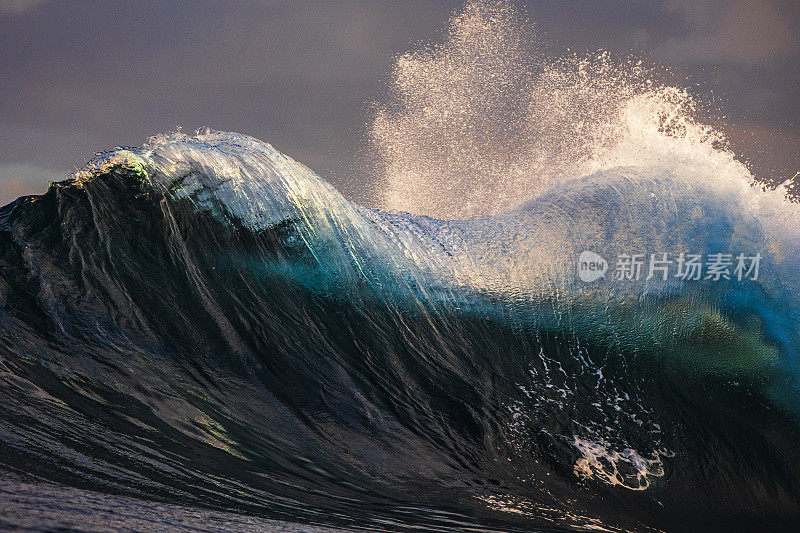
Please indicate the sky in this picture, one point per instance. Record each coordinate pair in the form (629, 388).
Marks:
(80, 77)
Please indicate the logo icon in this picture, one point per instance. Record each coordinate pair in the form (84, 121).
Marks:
(591, 267)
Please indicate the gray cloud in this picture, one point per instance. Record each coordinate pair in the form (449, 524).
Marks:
(78, 77)
(18, 179)
(16, 7)
(745, 32)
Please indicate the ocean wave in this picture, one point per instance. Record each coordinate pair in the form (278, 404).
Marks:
(204, 321)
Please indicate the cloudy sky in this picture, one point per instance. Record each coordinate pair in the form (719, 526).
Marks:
(80, 77)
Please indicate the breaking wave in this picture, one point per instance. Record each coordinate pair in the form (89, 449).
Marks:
(203, 323)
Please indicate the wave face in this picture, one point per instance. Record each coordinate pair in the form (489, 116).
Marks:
(205, 322)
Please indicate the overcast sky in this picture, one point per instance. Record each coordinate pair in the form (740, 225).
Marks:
(80, 77)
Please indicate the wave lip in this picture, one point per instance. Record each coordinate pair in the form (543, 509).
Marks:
(226, 173)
